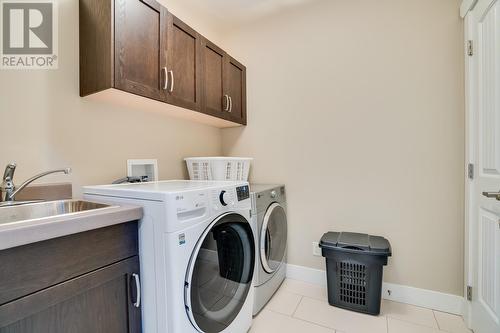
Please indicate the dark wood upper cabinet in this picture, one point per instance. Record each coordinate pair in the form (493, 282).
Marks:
(224, 84)
(139, 55)
(235, 87)
(183, 65)
(215, 101)
(137, 46)
(96, 46)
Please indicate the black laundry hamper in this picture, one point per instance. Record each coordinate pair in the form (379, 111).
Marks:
(354, 267)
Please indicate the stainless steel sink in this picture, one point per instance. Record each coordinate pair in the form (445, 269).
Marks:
(17, 203)
(38, 210)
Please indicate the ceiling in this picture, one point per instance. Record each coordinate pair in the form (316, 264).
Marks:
(242, 11)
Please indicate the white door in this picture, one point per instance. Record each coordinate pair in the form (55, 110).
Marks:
(483, 27)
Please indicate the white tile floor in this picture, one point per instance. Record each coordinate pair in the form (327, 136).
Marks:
(299, 307)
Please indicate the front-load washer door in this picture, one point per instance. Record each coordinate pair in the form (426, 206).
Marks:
(273, 238)
(220, 273)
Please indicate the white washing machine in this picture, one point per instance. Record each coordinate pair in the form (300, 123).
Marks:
(270, 223)
(197, 253)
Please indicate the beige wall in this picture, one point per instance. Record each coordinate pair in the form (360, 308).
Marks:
(45, 124)
(357, 106)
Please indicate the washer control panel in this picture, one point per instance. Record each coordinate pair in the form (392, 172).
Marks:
(230, 198)
(243, 192)
(224, 198)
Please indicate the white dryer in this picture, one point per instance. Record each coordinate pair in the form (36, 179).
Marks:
(270, 223)
(197, 253)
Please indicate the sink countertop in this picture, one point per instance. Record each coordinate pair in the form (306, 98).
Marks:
(31, 231)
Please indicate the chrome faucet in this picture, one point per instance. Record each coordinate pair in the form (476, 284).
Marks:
(8, 190)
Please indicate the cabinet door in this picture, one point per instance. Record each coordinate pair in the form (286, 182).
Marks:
(139, 57)
(235, 87)
(101, 301)
(184, 65)
(215, 101)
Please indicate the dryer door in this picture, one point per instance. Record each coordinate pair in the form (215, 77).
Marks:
(273, 238)
(220, 273)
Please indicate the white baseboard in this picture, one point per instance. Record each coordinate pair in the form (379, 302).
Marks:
(306, 274)
(425, 298)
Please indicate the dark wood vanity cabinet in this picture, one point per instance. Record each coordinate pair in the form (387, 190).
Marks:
(139, 47)
(86, 282)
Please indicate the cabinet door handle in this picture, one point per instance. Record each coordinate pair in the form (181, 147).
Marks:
(172, 80)
(165, 73)
(230, 104)
(226, 108)
(137, 302)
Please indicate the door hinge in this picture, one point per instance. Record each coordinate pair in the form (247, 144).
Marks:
(470, 48)
(469, 293)
(470, 171)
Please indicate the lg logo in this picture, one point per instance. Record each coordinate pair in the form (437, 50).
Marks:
(29, 28)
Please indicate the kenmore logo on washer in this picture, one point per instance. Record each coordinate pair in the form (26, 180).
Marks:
(29, 34)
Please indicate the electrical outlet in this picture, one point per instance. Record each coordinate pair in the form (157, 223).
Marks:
(316, 249)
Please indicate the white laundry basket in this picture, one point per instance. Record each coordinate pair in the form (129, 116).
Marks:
(218, 168)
